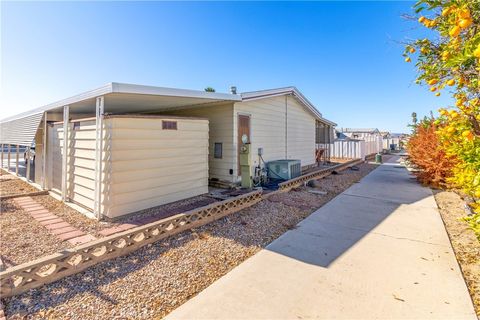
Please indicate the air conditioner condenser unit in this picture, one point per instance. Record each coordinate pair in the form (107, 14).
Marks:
(284, 169)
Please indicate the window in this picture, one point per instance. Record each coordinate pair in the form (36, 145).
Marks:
(169, 125)
(217, 151)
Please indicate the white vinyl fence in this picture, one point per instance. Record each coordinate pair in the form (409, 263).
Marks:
(373, 145)
(348, 149)
(356, 149)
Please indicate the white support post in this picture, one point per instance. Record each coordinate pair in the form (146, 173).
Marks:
(98, 156)
(9, 152)
(44, 152)
(27, 174)
(2, 154)
(66, 140)
(16, 160)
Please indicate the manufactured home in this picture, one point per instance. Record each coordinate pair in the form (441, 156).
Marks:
(122, 148)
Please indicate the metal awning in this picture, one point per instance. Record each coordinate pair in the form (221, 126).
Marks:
(124, 97)
(119, 97)
(20, 131)
(131, 98)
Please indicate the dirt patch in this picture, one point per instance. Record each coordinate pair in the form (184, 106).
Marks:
(463, 239)
(10, 185)
(93, 226)
(156, 279)
(169, 209)
(23, 239)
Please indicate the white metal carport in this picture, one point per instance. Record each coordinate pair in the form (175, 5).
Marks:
(118, 98)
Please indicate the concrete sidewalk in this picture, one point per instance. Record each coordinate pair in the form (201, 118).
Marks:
(377, 251)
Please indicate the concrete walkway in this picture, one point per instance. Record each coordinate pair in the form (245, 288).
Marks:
(377, 251)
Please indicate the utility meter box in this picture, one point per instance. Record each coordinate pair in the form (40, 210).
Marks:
(245, 159)
(245, 163)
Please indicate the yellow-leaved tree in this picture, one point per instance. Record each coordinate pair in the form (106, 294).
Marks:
(449, 61)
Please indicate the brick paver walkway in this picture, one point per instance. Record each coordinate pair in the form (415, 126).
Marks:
(56, 225)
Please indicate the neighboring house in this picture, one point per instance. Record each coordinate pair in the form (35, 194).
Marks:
(357, 133)
(132, 147)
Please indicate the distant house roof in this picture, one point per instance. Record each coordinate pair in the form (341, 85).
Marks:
(253, 95)
(398, 135)
(342, 136)
(360, 130)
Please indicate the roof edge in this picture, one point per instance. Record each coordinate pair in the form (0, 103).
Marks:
(106, 89)
(118, 87)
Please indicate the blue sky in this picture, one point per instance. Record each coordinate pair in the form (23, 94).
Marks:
(344, 56)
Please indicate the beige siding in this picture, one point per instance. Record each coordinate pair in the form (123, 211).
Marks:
(221, 131)
(150, 166)
(81, 164)
(300, 133)
(281, 126)
(80, 161)
(143, 165)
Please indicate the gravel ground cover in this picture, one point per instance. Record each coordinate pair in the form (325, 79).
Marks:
(464, 242)
(9, 185)
(154, 280)
(23, 239)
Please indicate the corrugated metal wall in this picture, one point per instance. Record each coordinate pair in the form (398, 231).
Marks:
(20, 131)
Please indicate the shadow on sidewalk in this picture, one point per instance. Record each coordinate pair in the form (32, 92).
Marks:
(337, 226)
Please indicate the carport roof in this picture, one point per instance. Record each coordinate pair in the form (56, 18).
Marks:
(133, 98)
(118, 94)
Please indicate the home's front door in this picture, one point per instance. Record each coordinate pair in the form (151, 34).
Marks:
(243, 129)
